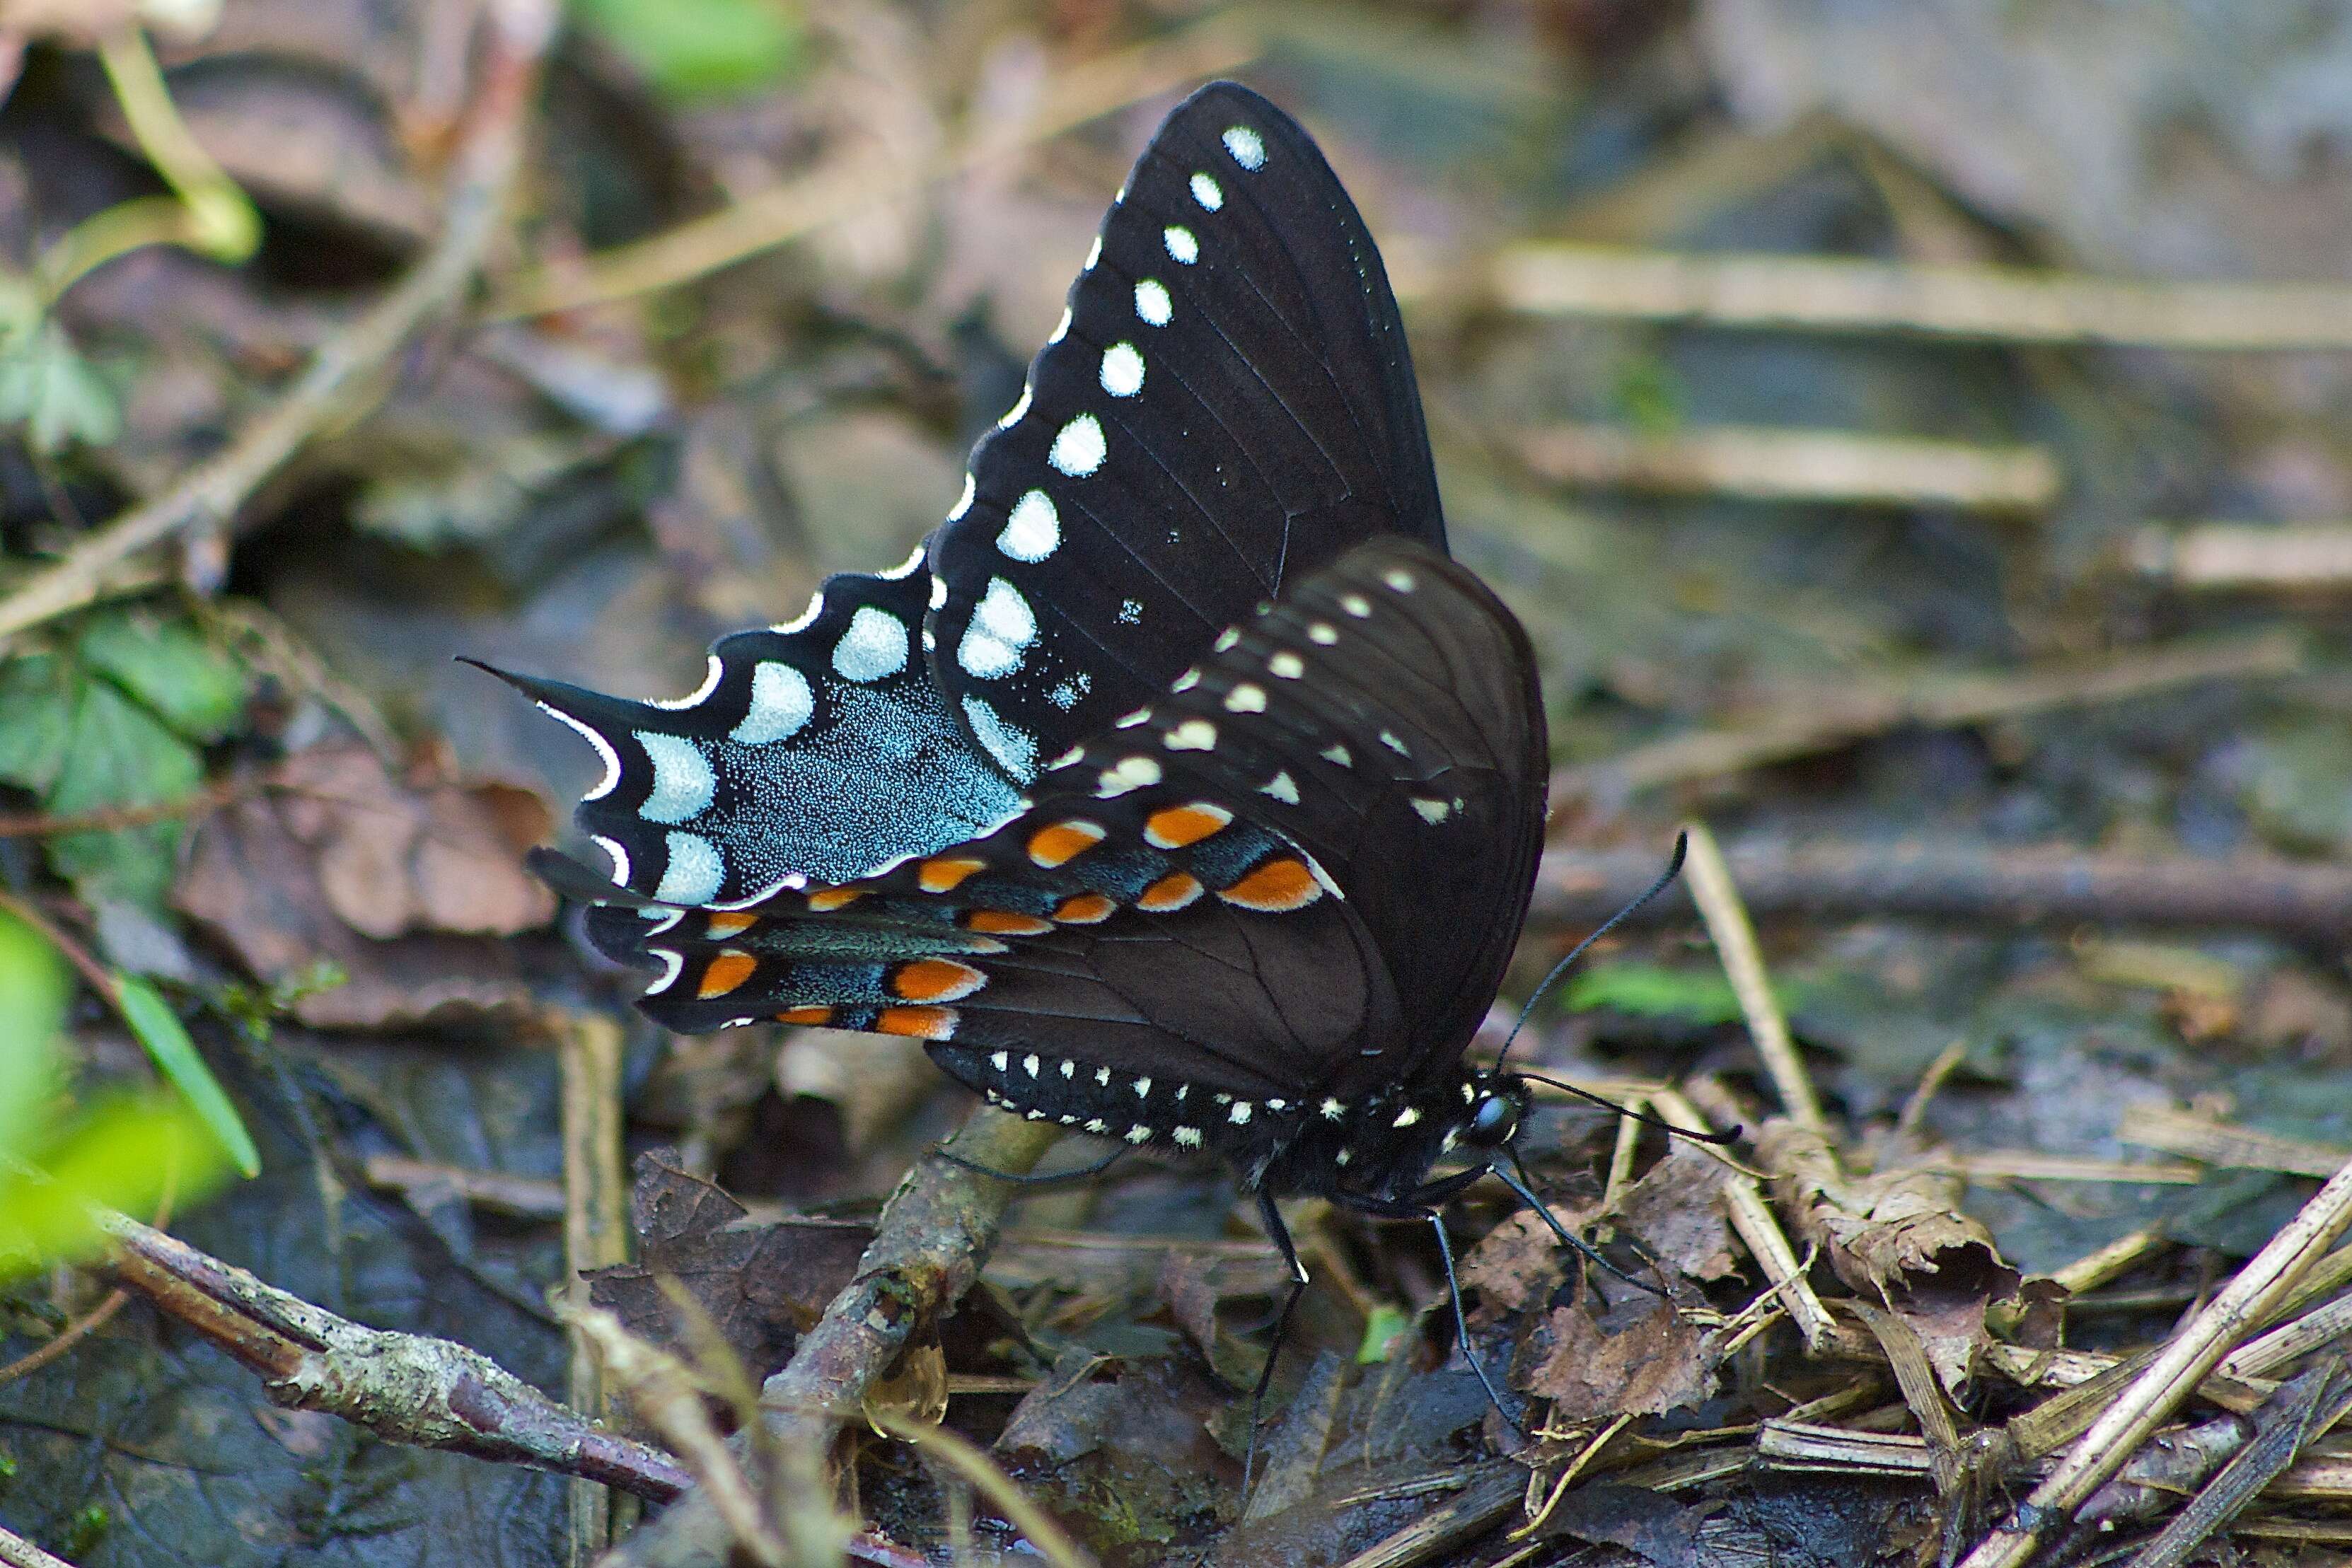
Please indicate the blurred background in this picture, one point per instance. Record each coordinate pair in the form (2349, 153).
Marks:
(1915, 436)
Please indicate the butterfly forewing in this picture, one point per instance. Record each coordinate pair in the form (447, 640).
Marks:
(1228, 405)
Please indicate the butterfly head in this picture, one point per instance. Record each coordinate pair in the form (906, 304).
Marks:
(1498, 1104)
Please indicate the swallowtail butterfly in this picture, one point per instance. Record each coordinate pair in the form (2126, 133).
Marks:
(1180, 789)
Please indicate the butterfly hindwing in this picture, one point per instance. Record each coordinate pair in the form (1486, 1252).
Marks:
(1228, 405)
(818, 751)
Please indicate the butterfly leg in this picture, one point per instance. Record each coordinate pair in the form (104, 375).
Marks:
(1513, 1180)
(1047, 1179)
(1280, 1233)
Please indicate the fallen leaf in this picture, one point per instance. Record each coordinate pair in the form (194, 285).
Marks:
(1649, 1362)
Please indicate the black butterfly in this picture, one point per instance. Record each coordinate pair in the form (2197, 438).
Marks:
(1180, 789)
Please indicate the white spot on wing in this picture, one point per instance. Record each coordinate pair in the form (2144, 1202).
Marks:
(1079, 450)
(671, 964)
(1015, 749)
(1002, 626)
(964, 502)
(1192, 735)
(1245, 699)
(1246, 145)
(873, 647)
(1152, 304)
(1181, 246)
(1094, 255)
(1287, 665)
(694, 871)
(780, 704)
(1432, 812)
(1034, 530)
(1282, 787)
(684, 785)
(1020, 406)
(1061, 327)
(1122, 369)
(1206, 192)
(611, 759)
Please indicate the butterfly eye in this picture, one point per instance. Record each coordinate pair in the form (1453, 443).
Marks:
(1492, 1121)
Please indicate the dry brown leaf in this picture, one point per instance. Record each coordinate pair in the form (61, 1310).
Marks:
(344, 864)
(1654, 1363)
(1900, 1239)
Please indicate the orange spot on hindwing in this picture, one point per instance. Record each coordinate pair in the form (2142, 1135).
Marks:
(947, 872)
(1085, 909)
(918, 1023)
(826, 900)
(1179, 826)
(725, 973)
(936, 981)
(1005, 922)
(1279, 885)
(805, 1016)
(1063, 841)
(728, 922)
(1172, 892)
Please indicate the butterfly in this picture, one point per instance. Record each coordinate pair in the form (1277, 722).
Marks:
(1180, 789)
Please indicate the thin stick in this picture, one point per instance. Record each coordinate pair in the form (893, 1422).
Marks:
(596, 1234)
(72, 1335)
(928, 1248)
(2226, 557)
(1963, 879)
(1838, 467)
(408, 1388)
(1999, 304)
(1753, 1220)
(784, 213)
(18, 1552)
(211, 494)
(1940, 701)
(2173, 1374)
(1743, 964)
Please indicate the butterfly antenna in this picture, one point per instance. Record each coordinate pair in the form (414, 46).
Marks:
(1721, 1140)
(1666, 880)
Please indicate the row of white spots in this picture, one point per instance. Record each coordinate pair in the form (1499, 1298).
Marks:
(873, 648)
(1002, 627)
(1136, 1133)
(1152, 306)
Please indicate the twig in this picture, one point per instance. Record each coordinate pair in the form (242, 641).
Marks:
(1477, 1509)
(773, 217)
(114, 818)
(18, 1552)
(1753, 1220)
(1767, 465)
(1930, 702)
(1040, 1529)
(2302, 1410)
(408, 1388)
(1717, 898)
(1959, 879)
(524, 1197)
(2216, 1143)
(2001, 304)
(2224, 556)
(2173, 1374)
(72, 1335)
(482, 175)
(928, 1248)
(595, 1232)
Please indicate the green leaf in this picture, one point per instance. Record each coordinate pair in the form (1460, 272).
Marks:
(32, 992)
(36, 715)
(692, 48)
(1649, 990)
(120, 754)
(124, 1153)
(159, 1029)
(47, 387)
(191, 685)
(1382, 1327)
